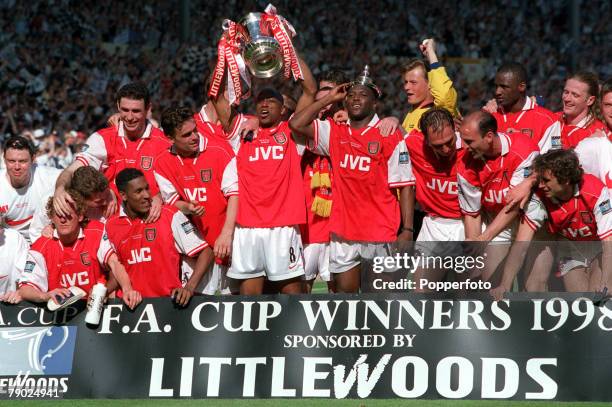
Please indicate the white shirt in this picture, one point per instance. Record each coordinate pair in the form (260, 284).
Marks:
(13, 254)
(18, 205)
(595, 156)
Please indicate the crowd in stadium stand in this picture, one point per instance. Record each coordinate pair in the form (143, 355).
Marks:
(118, 157)
(61, 61)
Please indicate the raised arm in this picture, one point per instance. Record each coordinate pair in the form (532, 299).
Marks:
(301, 121)
(440, 85)
(225, 112)
(61, 198)
(309, 87)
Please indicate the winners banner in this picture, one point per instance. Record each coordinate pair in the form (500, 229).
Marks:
(549, 347)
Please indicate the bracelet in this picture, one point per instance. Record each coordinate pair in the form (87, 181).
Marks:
(411, 230)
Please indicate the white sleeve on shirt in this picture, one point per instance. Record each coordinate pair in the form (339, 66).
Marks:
(469, 196)
(535, 213)
(400, 167)
(38, 223)
(603, 214)
(168, 191)
(186, 236)
(595, 156)
(523, 170)
(35, 272)
(322, 132)
(551, 139)
(105, 250)
(15, 249)
(95, 154)
(229, 181)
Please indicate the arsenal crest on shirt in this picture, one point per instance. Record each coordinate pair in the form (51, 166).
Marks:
(373, 147)
(146, 162)
(587, 217)
(206, 175)
(280, 138)
(85, 259)
(150, 234)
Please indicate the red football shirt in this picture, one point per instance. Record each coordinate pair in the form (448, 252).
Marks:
(366, 167)
(483, 184)
(532, 120)
(110, 151)
(586, 216)
(316, 229)
(215, 131)
(270, 180)
(151, 252)
(436, 177)
(208, 178)
(51, 265)
(562, 135)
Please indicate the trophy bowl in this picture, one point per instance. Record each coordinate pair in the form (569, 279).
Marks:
(262, 53)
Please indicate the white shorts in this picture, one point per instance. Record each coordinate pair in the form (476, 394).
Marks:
(576, 254)
(275, 253)
(437, 235)
(214, 280)
(316, 261)
(346, 254)
(506, 236)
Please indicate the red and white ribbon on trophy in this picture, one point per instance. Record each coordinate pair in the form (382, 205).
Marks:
(228, 55)
(279, 26)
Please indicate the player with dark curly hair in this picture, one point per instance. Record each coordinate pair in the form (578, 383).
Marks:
(575, 207)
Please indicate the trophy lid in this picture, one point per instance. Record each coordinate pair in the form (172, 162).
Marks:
(366, 80)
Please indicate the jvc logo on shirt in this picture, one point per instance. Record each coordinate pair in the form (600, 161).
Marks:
(196, 194)
(584, 231)
(494, 196)
(267, 153)
(444, 186)
(142, 255)
(356, 162)
(70, 280)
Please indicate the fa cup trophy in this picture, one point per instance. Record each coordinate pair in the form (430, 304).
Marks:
(262, 52)
(262, 43)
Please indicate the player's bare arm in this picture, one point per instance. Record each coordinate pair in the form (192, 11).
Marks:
(11, 297)
(226, 114)
(131, 297)
(156, 206)
(514, 260)
(29, 293)
(190, 208)
(223, 244)
(407, 201)
(301, 122)
(182, 295)
(606, 266)
(388, 125)
(519, 195)
(61, 198)
(472, 226)
(428, 48)
(309, 86)
(501, 222)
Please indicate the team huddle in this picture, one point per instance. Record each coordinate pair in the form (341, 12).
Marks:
(218, 201)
